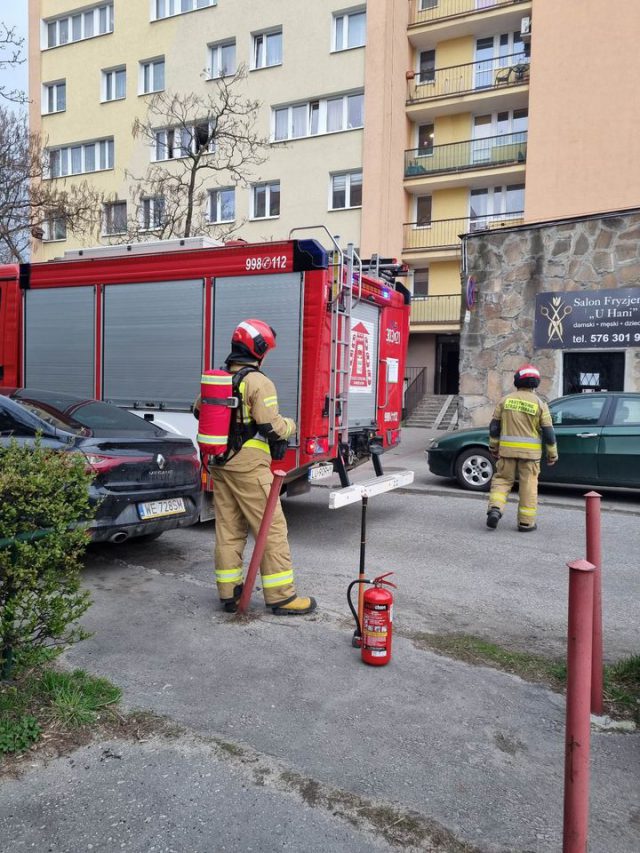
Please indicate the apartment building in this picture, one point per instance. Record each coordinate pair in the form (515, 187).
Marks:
(95, 68)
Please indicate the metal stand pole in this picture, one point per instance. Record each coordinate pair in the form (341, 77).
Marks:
(357, 637)
(261, 540)
(594, 555)
(578, 724)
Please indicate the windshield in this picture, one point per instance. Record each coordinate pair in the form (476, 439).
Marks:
(83, 417)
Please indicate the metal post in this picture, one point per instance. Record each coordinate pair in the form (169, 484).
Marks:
(594, 555)
(261, 540)
(357, 637)
(578, 721)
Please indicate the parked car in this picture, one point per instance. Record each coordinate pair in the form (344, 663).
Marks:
(146, 479)
(598, 444)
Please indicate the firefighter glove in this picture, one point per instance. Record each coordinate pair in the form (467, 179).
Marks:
(278, 448)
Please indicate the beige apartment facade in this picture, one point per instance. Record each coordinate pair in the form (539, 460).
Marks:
(515, 111)
(94, 70)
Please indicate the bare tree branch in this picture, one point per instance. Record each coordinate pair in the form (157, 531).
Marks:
(196, 143)
(11, 55)
(29, 200)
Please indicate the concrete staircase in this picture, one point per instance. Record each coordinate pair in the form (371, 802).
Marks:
(435, 411)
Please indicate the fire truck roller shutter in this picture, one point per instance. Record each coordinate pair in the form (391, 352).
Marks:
(276, 299)
(153, 342)
(59, 340)
(365, 329)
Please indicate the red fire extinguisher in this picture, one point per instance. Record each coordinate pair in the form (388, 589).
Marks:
(376, 631)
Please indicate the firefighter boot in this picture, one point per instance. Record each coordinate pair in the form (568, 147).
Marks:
(230, 605)
(493, 517)
(294, 606)
(527, 528)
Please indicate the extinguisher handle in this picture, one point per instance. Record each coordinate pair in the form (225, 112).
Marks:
(380, 580)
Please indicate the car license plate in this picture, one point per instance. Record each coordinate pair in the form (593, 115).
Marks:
(158, 509)
(321, 471)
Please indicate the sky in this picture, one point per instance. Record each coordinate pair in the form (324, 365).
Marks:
(14, 13)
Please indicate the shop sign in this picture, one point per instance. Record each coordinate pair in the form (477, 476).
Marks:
(588, 318)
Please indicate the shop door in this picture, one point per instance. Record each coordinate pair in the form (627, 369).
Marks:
(447, 367)
(593, 371)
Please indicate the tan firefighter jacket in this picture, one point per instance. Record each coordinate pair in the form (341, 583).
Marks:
(521, 424)
(260, 407)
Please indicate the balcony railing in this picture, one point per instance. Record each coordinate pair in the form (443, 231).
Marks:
(444, 233)
(482, 76)
(436, 309)
(504, 150)
(426, 11)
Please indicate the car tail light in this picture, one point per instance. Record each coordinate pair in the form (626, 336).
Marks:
(317, 446)
(99, 464)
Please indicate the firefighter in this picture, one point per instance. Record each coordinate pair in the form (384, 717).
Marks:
(241, 485)
(520, 426)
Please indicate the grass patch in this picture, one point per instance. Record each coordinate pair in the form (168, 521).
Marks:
(46, 699)
(621, 680)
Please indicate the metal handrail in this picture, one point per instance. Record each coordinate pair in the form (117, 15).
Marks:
(445, 233)
(436, 310)
(488, 152)
(478, 76)
(414, 392)
(427, 11)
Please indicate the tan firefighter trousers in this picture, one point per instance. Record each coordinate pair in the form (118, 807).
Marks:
(240, 498)
(527, 471)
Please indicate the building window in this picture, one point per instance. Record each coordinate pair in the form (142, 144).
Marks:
(114, 84)
(267, 49)
(427, 71)
(152, 213)
(345, 112)
(423, 210)
(222, 205)
(425, 139)
(96, 21)
(115, 218)
(496, 204)
(152, 76)
(421, 283)
(222, 59)
(54, 228)
(54, 98)
(81, 158)
(346, 190)
(349, 30)
(265, 200)
(169, 8)
(174, 142)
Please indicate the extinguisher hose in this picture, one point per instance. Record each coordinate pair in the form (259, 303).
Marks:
(351, 607)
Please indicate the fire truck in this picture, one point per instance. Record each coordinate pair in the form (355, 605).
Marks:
(135, 326)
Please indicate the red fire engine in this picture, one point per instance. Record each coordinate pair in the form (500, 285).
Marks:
(136, 325)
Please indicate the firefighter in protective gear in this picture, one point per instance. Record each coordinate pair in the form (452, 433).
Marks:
(241, 486)
(520, 426)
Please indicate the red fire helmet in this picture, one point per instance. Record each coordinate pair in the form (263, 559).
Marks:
(527, 376)
(257, 336)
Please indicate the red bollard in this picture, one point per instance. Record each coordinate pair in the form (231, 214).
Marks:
(578, 724)
(261, 540)
(594, 555)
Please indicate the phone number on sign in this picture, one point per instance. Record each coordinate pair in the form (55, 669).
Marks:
(616, 338)
(279, 262)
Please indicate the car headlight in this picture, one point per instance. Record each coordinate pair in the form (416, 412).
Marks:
(433, 444)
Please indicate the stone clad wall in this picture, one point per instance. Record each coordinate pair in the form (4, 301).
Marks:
(511, 267)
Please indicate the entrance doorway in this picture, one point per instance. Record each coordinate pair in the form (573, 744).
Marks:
(592, 371)
(447, 364)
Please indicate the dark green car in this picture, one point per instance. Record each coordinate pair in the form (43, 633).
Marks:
(598, 445)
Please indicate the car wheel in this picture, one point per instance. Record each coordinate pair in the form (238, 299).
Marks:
(474, 469)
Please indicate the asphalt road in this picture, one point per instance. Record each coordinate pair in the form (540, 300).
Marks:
(428, 744)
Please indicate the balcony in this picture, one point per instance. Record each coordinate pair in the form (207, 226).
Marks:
(436, 310)
(426, 11)
(507, 149)
(471, 78)
(441, 234)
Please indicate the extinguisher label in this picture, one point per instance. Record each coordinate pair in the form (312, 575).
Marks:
(375, 629)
